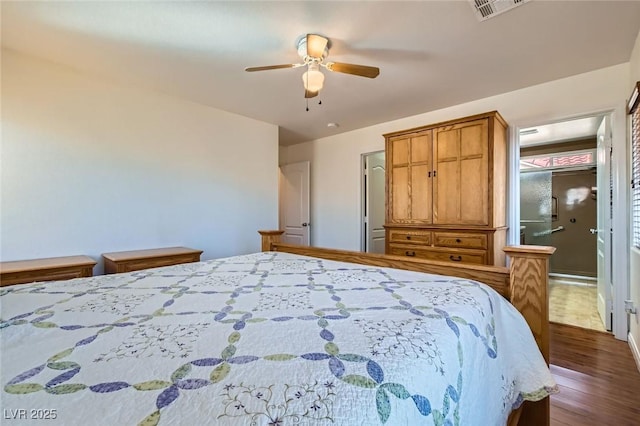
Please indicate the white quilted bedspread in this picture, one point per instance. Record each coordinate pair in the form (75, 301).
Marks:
(265, 339)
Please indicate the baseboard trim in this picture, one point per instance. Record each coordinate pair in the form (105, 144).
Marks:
(635, 350)
(573, 280)
(573, 277)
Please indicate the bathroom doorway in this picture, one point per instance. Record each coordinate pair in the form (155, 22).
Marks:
(562, 183)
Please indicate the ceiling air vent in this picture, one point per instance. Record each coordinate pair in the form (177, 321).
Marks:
(485, 9)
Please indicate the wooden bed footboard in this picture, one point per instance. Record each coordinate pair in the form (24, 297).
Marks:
(525, 284)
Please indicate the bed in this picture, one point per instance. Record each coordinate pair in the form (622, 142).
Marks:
(290, 335)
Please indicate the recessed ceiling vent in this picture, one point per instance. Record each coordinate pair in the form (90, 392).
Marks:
(485, 9)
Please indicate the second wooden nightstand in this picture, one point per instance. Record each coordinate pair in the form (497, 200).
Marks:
(135, 260)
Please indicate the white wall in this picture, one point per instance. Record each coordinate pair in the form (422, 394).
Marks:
(88, 167)
(634, 320)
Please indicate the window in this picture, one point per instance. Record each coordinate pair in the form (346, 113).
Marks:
(585, 157)
(634, 111)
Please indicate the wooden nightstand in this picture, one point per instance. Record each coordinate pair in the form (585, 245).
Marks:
(50, 269)
(135, 260)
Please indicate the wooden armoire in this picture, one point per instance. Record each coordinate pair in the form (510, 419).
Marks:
(446, 190)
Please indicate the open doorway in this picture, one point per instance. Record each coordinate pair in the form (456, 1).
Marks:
(373, 202)
(565, 196)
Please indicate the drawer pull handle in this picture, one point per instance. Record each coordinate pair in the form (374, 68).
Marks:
(455, 258)
(458, 240)
(410, 253)
(408, 237)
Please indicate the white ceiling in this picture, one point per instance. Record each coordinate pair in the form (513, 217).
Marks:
(432, 54)
(563, 131)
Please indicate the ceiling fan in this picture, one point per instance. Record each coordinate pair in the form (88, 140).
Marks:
(313, 49)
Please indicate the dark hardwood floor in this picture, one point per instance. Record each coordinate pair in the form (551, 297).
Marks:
(598, 379)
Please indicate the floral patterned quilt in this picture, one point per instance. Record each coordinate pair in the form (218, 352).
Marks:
(265, 339)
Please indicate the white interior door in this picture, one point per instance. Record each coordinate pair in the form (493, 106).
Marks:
(295, 203)
(603, 232)
(374, 202)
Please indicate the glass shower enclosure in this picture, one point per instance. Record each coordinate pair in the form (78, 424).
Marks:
(536, 207)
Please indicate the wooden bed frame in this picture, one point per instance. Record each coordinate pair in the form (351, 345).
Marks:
(525, 284)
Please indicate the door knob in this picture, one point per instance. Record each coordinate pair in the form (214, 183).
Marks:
(593, 230)
(306, 224)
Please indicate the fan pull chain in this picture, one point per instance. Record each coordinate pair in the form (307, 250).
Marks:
(305, 87)
(307, 101)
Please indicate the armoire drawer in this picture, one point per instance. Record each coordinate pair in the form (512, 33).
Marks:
(408, 251)
(460, 239)
(407, 236)
(459, 256)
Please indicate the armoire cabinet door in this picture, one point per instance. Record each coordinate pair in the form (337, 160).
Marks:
(421, 191)
(461, 181)
(401, 207)
(421, 180)
(410, 180)
(399, 179)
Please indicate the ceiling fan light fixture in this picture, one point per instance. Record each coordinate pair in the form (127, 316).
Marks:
(313, 50)
(313, 79)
